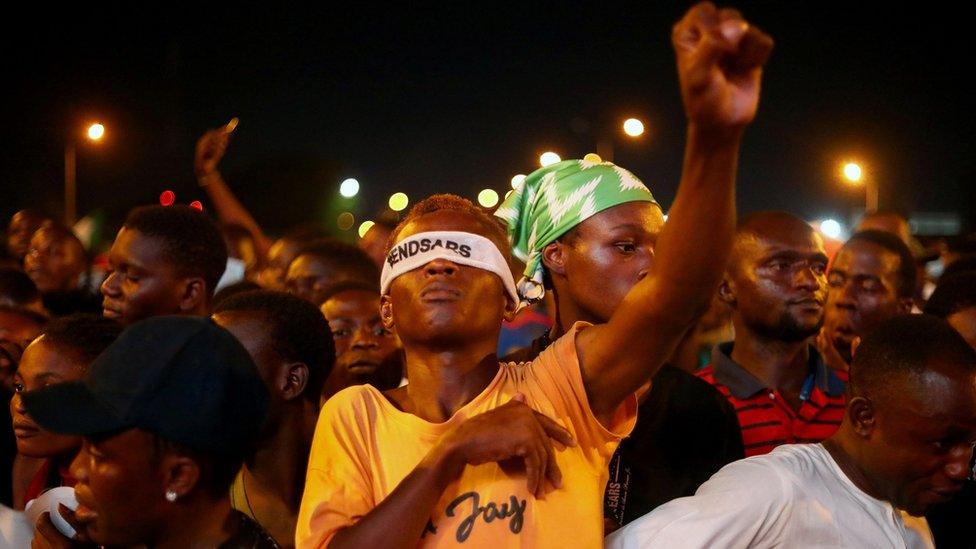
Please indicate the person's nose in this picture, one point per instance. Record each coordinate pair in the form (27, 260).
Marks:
(440, 266)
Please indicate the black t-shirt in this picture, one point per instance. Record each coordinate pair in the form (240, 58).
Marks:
(685, 432)
(249, 535)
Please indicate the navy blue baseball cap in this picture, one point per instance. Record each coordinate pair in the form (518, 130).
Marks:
(182, 378)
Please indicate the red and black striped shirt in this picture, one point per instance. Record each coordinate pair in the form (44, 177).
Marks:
(766, 419)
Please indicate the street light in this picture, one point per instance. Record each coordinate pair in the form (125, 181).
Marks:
(633, 127)
(94, 133)
(517, 181)
(854, 174)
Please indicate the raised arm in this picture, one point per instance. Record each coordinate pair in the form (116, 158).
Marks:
(210, 149)
(720, 59)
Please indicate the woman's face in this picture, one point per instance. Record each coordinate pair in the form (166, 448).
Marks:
(42, 364)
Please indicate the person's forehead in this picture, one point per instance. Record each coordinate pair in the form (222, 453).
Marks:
(867, 257)
(943, 393)
(41, 356)
(803, 241)
(444, 220)
(132, 246)
(645, 217)
(352, 304)
(17, 324)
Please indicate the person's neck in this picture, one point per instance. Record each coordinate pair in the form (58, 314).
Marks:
(780, 365)
(278, 466)
(568, 312)
(198, 521)
(443, 380)
(844, 452)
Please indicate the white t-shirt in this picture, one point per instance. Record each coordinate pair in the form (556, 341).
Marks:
(795, 496)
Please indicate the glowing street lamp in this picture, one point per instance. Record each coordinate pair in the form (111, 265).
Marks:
(95, 132)
(831, 228)
(854, 174)
(633, 127)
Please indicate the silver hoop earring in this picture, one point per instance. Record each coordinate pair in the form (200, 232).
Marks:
(170, 496)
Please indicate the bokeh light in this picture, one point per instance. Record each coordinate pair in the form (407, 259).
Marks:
(548, 158)
(398, 202)
(349, 188)
(633, 127)
(488, 198)
(345, 221)
(364, 228)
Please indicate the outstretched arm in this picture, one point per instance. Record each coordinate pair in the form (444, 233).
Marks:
(720, 59)
(210, 149)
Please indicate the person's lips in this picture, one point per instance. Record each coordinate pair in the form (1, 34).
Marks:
(439, 291)
(84, 514)
(945, 493)
(25, 429)
(811, 303)
(110, 311)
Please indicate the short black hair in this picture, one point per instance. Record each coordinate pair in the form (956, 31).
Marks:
(191, 241)
(907, 274)
(452, 202)
(953, 294)
(234, 289)
(343, 257)
(349, 285)
(83, 336)
(16, 288)
(298, 331)
(906, 345)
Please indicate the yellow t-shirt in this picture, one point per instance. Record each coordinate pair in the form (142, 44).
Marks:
(364, 447)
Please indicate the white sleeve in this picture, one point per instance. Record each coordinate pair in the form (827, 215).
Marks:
(746, 504)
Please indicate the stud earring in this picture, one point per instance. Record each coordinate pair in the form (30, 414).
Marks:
(170, 496)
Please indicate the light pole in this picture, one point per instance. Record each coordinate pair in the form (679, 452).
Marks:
(855, 175)
(632, 127)
(94, 133)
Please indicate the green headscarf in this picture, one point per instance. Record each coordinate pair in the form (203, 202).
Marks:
(553, 200)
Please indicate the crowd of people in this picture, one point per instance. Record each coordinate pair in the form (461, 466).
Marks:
(571, 369)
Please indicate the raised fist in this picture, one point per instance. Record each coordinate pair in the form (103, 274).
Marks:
(210, 149)
(720, 59)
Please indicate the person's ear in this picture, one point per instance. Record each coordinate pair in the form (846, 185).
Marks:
(180, 476)
(554, 257)
(511, 308)
(386, 312)
(862, 415)
(292, 380)
(194, 293)
(726, 291)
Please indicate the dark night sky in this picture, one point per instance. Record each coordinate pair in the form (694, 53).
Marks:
(456, 97)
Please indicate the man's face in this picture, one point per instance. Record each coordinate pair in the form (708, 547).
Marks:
(22, 227)
(42, 364)
(120, 490)
(609, 253)
(366, 352)
(53, 261)
(309, 277)
(777, 283)
(280, 255)
(443, 302)
(964, 322)
(920, 450)
(140, 282)
(863, 292)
